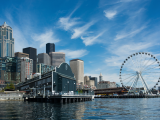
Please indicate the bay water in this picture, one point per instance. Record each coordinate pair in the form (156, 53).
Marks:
(100, 108)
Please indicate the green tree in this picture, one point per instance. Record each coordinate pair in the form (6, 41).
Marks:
(11, 86)
(7, 86)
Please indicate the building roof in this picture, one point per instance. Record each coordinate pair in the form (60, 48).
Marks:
(76, 60)
(56, 53)
(5, 25)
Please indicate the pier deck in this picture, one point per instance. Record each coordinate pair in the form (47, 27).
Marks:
(130, 96)
(58, 98)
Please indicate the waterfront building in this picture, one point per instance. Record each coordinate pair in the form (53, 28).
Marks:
(19, 54)
(100, 77)
(42, 68)
(59, 80)
(32, 55)
(6, 41)
(77, 67)
(25, 68)
(9, 70)
(57, 58)
(159, 88)
(50, 47)
(44, 58)
(106, 84)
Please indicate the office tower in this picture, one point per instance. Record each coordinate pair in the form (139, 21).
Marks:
(32, 55)
(9, 70)
(95, 80)
(50, 47)
(19, 54)
(88, 81)
(77, 67)
(57, 58)
(25, 68)
(100, 77)
(6, 41)
(44, 58)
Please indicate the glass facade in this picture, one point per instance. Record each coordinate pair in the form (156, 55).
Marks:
(9, 70)
(50, 47)
(7, 40)
(42, 68)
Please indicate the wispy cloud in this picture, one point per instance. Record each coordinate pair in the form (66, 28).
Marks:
(132, 33)
(110, 14)
(74, 53)
(46, 37)
(20, 41)
(120, 53)
(92, 39)
(77, 32)
(67, 22)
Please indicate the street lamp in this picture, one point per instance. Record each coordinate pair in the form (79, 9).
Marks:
(68, 86)
(44, 90)
(73, 87)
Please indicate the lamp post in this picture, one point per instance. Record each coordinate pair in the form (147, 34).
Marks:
(68, 87)
(44, 90)
(73, 87)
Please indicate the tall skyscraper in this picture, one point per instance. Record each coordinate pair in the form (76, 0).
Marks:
(32, 55)
(50, 47)
(57, 58)
(6, 41)
(77, 67)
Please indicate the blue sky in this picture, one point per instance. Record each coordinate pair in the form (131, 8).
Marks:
(100, 32)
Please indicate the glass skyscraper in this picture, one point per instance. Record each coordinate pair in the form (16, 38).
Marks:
(50, 47)
(6, 41)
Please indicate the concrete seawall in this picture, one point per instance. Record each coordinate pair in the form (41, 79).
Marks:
(11, 95)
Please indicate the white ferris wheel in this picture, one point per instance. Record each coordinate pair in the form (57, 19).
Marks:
(140, 72)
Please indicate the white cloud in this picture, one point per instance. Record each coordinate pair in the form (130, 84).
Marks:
(122, 34)
(120, 53)
(20, 41)
(77, 32)
(74, 53)
(67, 23)
(92, 39)
(110, 14)
(44, 38)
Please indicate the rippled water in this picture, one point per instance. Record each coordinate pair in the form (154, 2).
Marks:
(105, 108)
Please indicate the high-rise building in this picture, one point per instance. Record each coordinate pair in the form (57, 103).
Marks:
(95, 80)
(25, 68)
(9, 70)
(44, 58)
(32, 55)
(6, 41)
(57, 58)
(100, 77)
(50, 47)
(77, 67)
(19, 54)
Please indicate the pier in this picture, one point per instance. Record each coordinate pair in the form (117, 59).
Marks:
(130, 96)
(58, 98)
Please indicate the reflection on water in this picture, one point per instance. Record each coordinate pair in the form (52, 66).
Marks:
(131, 108)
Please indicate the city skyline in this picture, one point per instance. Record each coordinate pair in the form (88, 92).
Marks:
(101, 33)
